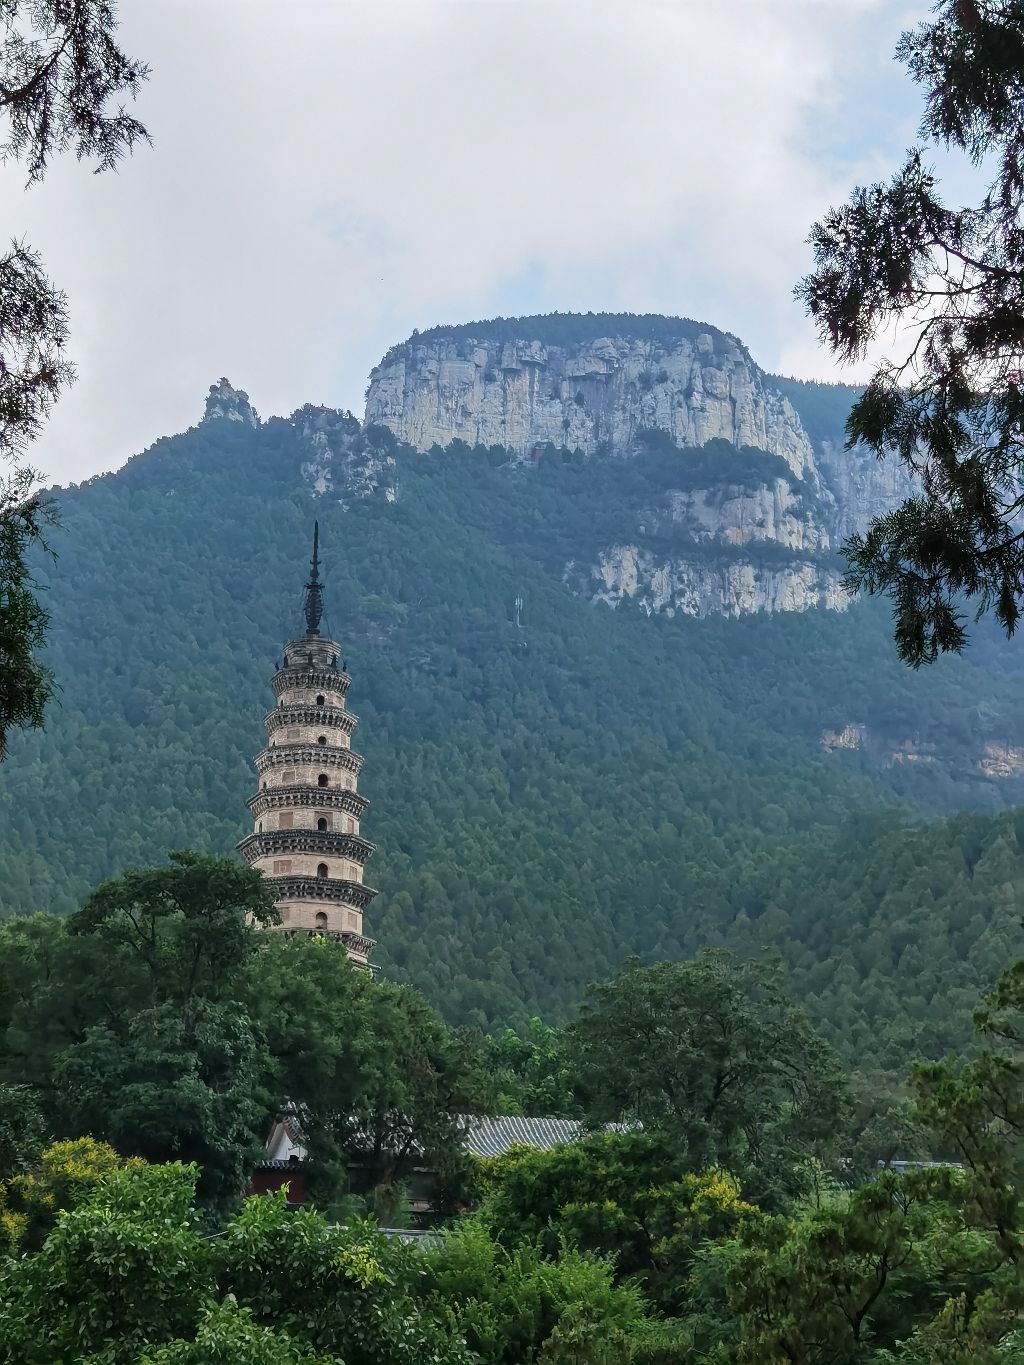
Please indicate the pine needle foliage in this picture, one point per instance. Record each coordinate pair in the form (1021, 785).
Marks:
(897, 256)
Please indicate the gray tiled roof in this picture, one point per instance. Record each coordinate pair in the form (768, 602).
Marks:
(493, 1136)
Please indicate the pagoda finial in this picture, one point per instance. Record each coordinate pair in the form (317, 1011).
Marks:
(313, 601)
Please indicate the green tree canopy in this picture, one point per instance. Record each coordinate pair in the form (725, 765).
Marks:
(623, 1196)
(713, 1054)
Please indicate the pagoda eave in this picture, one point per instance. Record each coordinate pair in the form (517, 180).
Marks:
(327, 716)
(324, 798)
(293, 886)
(335, 843)
(357, 944)
(320, 755)
(308, 675)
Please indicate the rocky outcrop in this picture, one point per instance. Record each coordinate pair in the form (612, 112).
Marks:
(594, 394)
(696, 586)
(731, 515)
(223, 400)
(764, 521)
(845, 737)
(1002, 760)
(861, 485)
(344, 460)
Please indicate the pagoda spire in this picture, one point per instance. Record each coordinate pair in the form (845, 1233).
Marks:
(313, 596)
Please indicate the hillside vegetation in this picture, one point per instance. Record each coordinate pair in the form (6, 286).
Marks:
(547, 799)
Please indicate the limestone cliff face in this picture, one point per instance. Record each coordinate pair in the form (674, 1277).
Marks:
(620, 379)
(695, 587)
(862, 486)
(598, 393)
(775, 513)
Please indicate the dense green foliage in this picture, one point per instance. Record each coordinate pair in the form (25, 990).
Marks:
(921, 1267)
(127, 1273)
(547, 800)
(628, 1196)
(161, 1018)
(713, 1053)
(628, 1245)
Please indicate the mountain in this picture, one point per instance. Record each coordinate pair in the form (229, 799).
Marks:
(555, 785)
(748, 525)
(586, 384)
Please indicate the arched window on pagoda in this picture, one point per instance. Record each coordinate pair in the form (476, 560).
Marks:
(321, 869)
(321, 825)
(320, 699)
(322, 780)
(321, 739)
(321, 922)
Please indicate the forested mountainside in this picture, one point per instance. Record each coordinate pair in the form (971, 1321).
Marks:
(549, 795)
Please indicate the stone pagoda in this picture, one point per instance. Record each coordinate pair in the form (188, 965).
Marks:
(307, 812)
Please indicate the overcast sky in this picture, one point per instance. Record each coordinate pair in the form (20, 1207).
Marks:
(326, 176)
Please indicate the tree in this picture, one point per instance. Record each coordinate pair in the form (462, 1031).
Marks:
(65, 1175)
(370, 1073)
(130, 1022)
(184, 1084)
(59, 70)
(311, 1007)
(227, 1334)
(52, 988)
(529, 1071)
(976, 1109)
(126, 1276)
(829, 1288)
(26, 684)
(22, 1129)
(347, 1291)
(713, 1054)
(184, 930)
(515, 1304)
(923, 1269)
(952, 409)
(122, 1271)
(623, 1196)
(419, 1085)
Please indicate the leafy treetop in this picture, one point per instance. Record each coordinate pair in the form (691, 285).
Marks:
(952, 407)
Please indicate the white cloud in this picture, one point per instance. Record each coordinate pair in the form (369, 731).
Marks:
(327, 176)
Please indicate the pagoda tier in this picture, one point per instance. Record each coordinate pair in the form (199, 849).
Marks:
(318, 717)
(329, 798)
(325, 889)
(332, 843)
(277, 760)
(306, 814)
(308, 677)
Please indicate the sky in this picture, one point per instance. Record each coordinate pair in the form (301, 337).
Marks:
(326, 175)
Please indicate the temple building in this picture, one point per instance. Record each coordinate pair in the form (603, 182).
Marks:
(307, 811)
